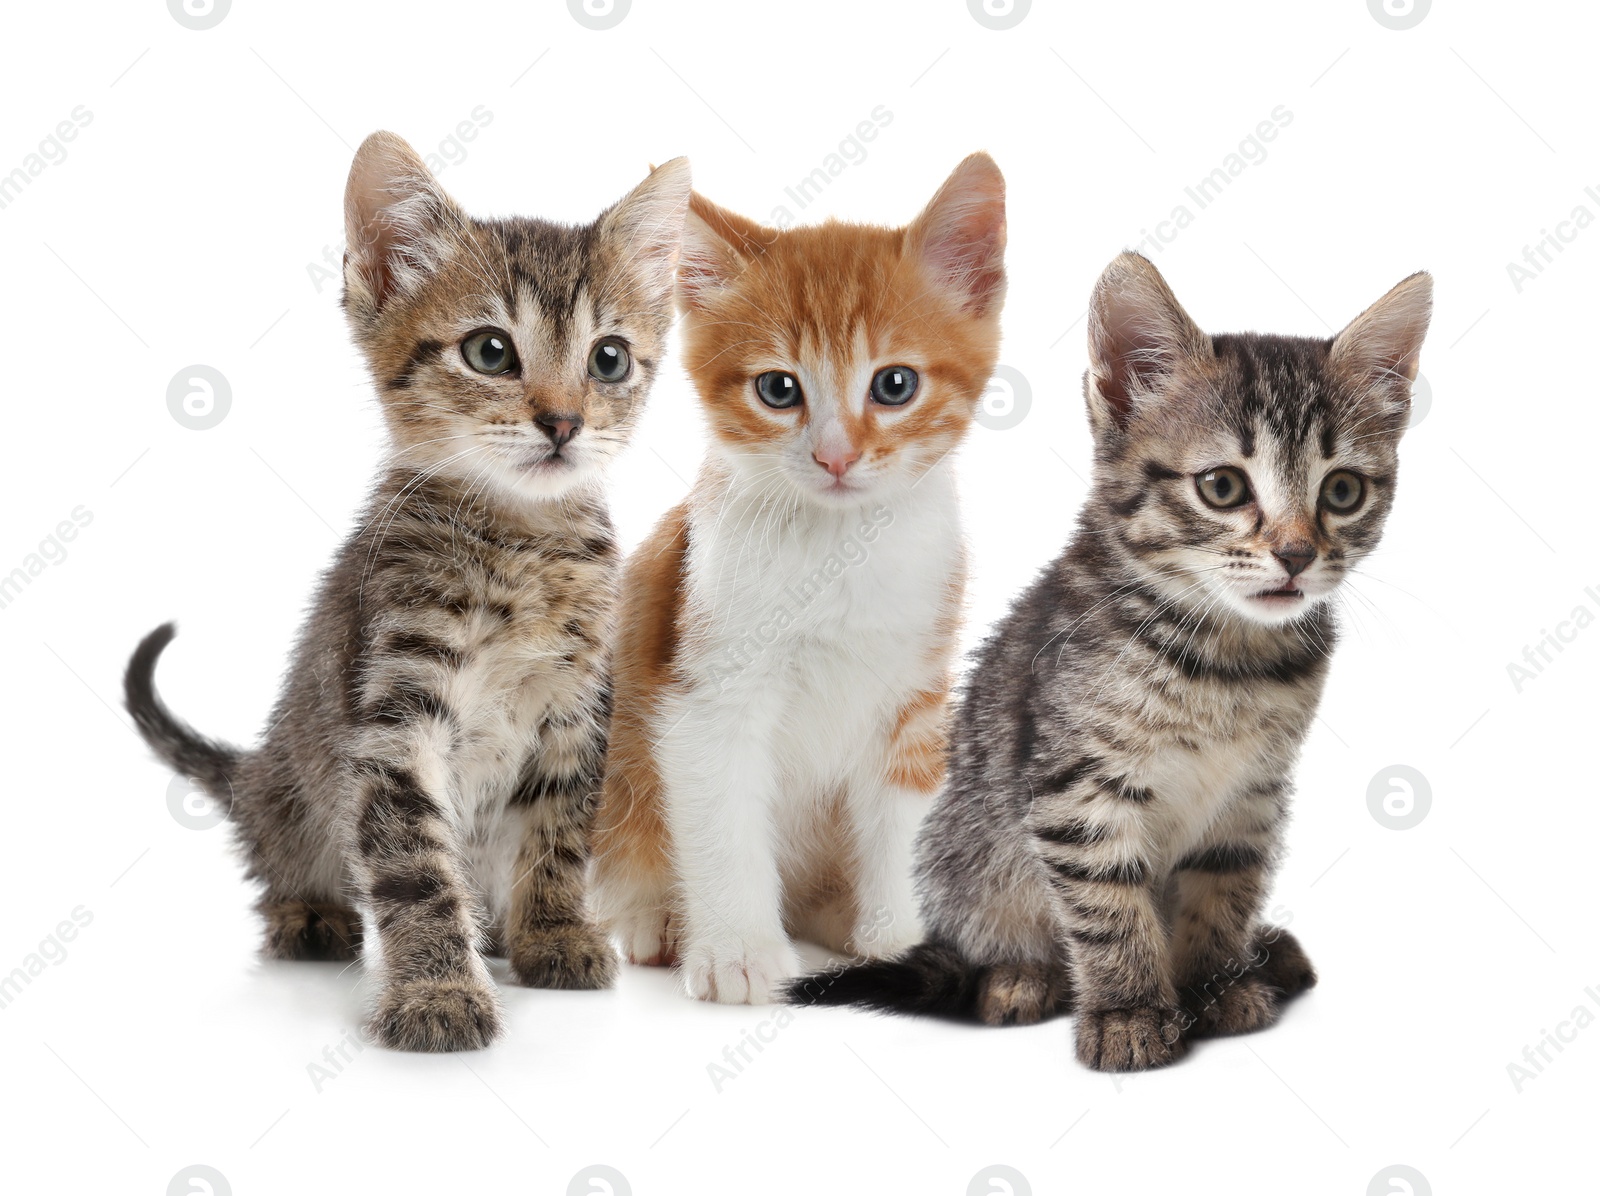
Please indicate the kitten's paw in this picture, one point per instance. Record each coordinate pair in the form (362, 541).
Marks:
(1286, 967)
(569, 955)
(648, 937)
(437, 1015)
(300, 930)
(1018, 994)
(1246, 1005)
(1129, 1039)
(734, 974)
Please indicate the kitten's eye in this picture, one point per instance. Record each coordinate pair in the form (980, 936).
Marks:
(489, 352)
(609, 361)
(1343, 491)
(778, 389)
(1223, 488)
(894, 386)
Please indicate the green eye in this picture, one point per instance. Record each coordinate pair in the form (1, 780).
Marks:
(1223, 488)
(894, 386)
(778, 389)
(609, 360)
(1343, 491)
(489, 352)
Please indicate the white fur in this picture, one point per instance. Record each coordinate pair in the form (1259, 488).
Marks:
(815, 623)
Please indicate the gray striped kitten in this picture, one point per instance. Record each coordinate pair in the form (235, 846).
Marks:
(435, 758)
(1123, 754)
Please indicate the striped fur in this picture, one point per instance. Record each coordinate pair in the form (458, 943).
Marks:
(429, 777)
(1123, 754)
(788, 632)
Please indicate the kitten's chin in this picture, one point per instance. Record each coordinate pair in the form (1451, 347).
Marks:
(545, 478)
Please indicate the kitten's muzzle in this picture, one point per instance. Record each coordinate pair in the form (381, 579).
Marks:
(560, 427)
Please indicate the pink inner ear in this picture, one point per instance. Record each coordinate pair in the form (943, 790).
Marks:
(963, 239)
(706, 262)
(1118, 352)
(698, 274)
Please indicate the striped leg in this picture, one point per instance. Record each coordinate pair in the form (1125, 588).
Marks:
(553, 941)
(1088, 834)
(435, 992)
(1220, 888)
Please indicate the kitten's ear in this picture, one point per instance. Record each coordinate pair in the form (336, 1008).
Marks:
(1138, 334)
(1385, 341)
(647, 224)
(717, 244)
(394, 216)
(961, 235)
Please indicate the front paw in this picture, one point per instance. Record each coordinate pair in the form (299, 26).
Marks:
(568, 955)
(734, 973)
(437, 1015)
(648, 936)
(1245, 1005)
(1129, 1039)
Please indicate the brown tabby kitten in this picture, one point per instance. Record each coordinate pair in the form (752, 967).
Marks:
(435, 757)
(1123, 756)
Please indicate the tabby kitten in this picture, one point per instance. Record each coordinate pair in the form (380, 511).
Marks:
(434, 760)
(1123, 754)
(787, 635)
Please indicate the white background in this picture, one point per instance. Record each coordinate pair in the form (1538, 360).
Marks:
(179, 230)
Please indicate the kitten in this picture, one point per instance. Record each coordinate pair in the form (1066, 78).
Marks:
(434, 760)
(1123, 754)
(785, 651)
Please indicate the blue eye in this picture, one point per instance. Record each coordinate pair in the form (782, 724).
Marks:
(779, 390)
(894, 386)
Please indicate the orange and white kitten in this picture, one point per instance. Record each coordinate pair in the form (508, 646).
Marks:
(788, 631)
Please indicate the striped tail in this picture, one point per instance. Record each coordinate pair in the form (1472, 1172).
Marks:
(189, 753)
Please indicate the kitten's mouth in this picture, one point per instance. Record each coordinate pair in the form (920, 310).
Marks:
(840, 488)
(549, 463)
(1282, 594)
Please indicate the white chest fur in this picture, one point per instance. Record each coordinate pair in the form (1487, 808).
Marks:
(821, 623)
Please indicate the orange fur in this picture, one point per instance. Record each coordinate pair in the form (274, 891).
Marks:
(630, 835)
(757, 299)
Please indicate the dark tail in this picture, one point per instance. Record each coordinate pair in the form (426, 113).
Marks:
(931, 978)
(189, 753)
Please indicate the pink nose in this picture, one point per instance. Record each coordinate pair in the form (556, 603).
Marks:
(837, 461)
